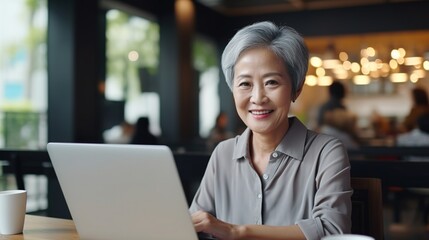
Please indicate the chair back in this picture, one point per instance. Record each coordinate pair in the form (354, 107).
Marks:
(367, 207)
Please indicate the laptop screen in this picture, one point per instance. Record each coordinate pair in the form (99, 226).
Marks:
(118, 191)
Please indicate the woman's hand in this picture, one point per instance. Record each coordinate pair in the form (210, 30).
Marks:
(205, 222)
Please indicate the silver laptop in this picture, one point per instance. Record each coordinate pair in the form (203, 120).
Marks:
(122, 191)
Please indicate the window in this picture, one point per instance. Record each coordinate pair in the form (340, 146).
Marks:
(132, 52)
(23, 74)
(206, 64)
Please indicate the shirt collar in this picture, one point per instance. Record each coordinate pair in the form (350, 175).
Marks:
(292, 144)
(242, 145)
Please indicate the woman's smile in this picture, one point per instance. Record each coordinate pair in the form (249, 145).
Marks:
(261, 114)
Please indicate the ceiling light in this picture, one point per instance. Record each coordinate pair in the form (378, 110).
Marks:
(325, 81)
(331, 63)
(365, 70)
(393, 64)
(420, 73)
(355, 67)
(311, 80)
(413, 61)
(395, 54)
(340, 73)
(316, 61)
(402, 52)
(414, 78)
(347, 65)
(373, 66)
(343, 56)
(361, 80)
(364, 61)
(320, 72)
(426, 65)
(370, 51)
(398, 77)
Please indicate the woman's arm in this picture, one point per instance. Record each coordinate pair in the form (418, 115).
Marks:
(204, 222)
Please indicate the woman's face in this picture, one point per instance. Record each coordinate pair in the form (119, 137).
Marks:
(262, 91)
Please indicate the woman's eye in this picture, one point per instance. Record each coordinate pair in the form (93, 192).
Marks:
(271, 82)
(243, 84)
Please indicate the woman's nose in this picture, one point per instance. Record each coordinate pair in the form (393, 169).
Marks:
(258, 95)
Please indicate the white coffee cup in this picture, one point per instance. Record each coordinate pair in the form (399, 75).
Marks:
(13, 205)
(348, 237)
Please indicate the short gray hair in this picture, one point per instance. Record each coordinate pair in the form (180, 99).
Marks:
(284, 41)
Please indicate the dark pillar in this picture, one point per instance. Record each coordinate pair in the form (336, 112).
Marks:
(168, 77)
(73, 96)
(179, 118)
(185, 18)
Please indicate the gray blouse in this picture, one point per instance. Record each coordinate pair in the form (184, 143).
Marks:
(306, 182)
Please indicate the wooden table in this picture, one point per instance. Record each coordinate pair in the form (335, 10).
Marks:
(45, 228)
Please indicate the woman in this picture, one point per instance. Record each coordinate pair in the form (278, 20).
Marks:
(277, 180)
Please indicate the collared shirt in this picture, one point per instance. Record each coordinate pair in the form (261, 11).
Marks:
(306, 182)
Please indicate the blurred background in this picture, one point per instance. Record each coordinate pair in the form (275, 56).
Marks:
(70, 71)
(88, 70)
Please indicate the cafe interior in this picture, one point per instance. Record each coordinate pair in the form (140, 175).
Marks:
(164, 65)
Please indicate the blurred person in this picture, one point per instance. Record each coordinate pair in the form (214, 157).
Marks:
(277, 180)
(337, 92)
(420, 106)
(142, 135)
(119, 134)
(341, 124)
(334, 119)
(417, 137)
(380, 124)
(219, 132)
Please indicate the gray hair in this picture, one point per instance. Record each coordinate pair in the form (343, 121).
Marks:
(284, 41)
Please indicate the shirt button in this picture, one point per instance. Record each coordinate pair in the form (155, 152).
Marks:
(265, 176)
(259, 195)
(275, 154)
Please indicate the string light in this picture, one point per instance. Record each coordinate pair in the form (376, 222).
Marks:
(369, 66)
